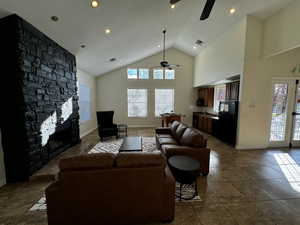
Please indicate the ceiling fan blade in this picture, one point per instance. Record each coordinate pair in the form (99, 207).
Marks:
(174, 65)
(207, 9)
(172, 2)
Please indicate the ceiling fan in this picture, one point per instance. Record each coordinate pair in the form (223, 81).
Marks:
(164, 63)
(207, 8)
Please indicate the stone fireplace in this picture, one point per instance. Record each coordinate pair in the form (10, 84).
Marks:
(39, 94)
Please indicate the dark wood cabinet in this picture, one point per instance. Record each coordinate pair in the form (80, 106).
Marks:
(206, 95)
(203, 122)
(232, 91)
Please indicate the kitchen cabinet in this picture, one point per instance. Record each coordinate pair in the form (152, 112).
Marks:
(206, 97)
(232, 91)
(203, 122)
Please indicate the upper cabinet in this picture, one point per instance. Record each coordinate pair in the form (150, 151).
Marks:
(206, 97)
(232, 91)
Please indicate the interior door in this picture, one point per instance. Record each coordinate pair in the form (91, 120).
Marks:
(283, 92)
(295, 142)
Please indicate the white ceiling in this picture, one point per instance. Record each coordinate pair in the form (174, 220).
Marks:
(136, 26)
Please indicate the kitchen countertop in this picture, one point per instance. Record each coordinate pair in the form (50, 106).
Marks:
(211, 116)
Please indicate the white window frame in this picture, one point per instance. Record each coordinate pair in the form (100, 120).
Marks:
(171, 70)
(146, 103)
(163, 74)
(156, 113)
(137, 73)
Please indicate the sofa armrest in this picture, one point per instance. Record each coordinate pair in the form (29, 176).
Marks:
(163, 130)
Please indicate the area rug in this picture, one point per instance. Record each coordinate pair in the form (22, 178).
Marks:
(187, 192)
(113, 146)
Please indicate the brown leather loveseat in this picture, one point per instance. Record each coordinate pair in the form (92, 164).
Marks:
(130, 188)
(180, 139)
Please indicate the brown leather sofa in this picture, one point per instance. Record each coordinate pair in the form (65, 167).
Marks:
(130, 188)
(180, 139)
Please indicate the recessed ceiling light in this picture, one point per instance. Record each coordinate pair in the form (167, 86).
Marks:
(112, 59)
(194, 47)
(232, 10)
(158, 46)
(107, 31)
(54, 18)
(94, 3)
(173, 6)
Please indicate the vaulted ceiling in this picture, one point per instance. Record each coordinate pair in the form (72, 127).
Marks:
(136, 26)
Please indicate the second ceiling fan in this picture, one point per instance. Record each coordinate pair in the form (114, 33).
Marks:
(207, 8)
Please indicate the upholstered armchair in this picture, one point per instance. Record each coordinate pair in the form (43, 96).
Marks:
(106, 127)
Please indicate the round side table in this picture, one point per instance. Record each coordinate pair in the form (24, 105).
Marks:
(185, 170)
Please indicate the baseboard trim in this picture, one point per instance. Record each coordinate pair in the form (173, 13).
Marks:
(240, 147)
(88, 132)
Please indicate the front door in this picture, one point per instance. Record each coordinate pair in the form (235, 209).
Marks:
(285, 115)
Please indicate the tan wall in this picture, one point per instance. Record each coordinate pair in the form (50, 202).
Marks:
(2, 168)
(112, 89)
(223, 58)
(90, 81)
(255, 106)
(282, 31)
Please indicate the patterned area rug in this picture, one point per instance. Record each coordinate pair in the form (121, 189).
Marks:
(113, 146)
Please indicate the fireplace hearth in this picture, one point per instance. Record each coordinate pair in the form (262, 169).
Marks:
(59, 142)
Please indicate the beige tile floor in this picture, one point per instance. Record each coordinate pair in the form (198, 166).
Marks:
(250, 187)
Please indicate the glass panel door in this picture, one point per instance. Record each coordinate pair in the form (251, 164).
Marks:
(296, 119)
(279, 113)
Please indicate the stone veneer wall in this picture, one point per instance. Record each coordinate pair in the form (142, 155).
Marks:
(39, 96)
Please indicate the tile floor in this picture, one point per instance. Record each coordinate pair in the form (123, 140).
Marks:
(253, 187)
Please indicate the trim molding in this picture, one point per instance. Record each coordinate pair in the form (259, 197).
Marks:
(88, 132)
(241, 147)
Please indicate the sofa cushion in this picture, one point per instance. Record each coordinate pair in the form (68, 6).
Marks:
(192, 137)
(164, 136)
(140, 159)
(174, 127)
(167, 141)
(179, 131)
(90, 161)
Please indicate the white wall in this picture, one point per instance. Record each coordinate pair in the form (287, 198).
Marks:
(112, 89)
(255, 105)
(223, 58)
(281, 31)
(2, 168)
(90, 81)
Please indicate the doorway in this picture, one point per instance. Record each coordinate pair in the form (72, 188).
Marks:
(285, 113)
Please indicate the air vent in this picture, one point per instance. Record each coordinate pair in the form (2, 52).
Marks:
(199, 42)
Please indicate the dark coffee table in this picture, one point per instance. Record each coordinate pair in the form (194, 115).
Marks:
(131, 144)
(185, 170)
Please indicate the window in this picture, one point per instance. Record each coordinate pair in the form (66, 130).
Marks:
(132, 74)
(164, 101)
(84, 103)
(137, 102)
(220, 94)
(158, 74)
(143, 74)
(169, 74)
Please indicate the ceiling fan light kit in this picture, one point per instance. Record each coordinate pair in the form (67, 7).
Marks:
(164, 63)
